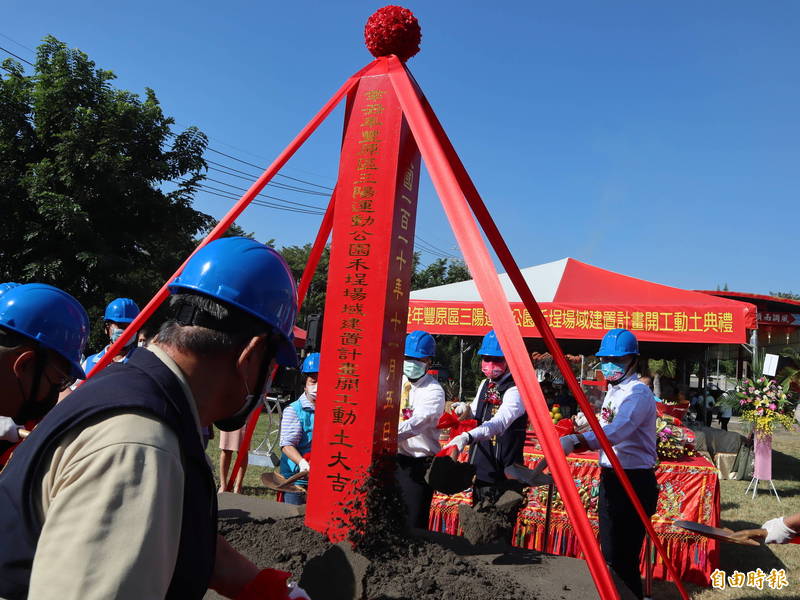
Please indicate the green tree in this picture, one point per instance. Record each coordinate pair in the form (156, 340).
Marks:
(787, 295)
(83, 168)
(440, 272)
(297, 258)
(790, 374)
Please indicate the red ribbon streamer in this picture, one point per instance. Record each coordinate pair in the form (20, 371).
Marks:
(515, 275)
(482, 269)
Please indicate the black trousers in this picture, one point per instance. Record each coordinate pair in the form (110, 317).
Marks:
(417, 494)
(621, 530)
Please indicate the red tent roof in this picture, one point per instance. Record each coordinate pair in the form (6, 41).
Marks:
(582, 301)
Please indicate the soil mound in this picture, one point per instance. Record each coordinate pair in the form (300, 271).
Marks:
(417, 569)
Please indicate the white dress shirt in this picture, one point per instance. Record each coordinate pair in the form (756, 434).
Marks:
(418, 436)
(510, 410)
(628, 418)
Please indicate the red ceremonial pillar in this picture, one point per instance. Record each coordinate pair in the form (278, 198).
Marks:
(367, 299)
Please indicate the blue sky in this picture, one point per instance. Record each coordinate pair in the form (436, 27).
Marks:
(657, 140)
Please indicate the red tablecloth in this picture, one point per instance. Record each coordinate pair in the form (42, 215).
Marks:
(689, 491)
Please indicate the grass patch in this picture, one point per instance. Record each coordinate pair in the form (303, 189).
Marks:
(268, 425)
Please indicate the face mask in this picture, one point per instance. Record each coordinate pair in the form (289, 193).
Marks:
(238, 420)
(33, 410)
(311, 391)
(414, 369)
(493, 369)
(612, 371)
(116, 332)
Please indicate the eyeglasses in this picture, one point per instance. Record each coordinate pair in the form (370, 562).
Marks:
(63, 382)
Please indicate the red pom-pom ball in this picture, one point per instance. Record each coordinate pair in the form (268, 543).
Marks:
(393, 30)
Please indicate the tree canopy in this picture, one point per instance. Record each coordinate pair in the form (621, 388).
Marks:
(83, 167)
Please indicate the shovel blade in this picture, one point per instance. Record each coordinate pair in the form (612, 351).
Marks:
(448, 476)
(275, 481)
(530, 477)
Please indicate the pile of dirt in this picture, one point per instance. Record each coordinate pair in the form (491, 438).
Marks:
(415, 569)
(285, 544)
(491, 522)
(381, 559)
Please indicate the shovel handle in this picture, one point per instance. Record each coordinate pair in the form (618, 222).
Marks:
(294, 478)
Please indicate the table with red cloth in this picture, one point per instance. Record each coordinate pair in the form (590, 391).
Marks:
(689, 490)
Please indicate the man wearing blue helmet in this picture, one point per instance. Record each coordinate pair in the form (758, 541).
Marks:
(119, 313)
(421, 406)
(297, 430)
(111, 496)
(628, 418)
(43, 332)
(499, 439)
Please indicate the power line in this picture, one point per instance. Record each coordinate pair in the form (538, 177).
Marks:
(241, 189)
(231, 172)
(17, 56)
(233, 196)
(438, 250)
(228, 196)
(244, 162)
(13, 41)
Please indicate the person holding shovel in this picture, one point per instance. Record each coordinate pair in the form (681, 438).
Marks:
(297, 430)
(628, 418)
(779, 530)
(421, 404)
(112, 496)
(498, 440)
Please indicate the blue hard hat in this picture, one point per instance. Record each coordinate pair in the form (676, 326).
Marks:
(420, 344)
(121, 310)
(50, 317)
(618, 342)
(490, 346)
(10, 285)
(250, 276)
(311, 363)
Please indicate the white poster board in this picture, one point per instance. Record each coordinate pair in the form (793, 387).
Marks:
(770, 364)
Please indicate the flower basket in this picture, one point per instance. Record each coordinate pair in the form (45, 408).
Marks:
(765, 404)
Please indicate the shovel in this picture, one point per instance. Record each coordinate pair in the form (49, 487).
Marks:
(534, 477)
(279, 483)
(531, 477)
(447, 475)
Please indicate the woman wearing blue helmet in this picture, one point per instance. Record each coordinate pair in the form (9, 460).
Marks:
(297, 430)
(628, 418)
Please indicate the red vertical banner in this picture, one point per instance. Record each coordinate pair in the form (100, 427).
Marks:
(366, 307)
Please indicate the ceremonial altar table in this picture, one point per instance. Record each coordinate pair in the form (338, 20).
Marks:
(689, 490)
